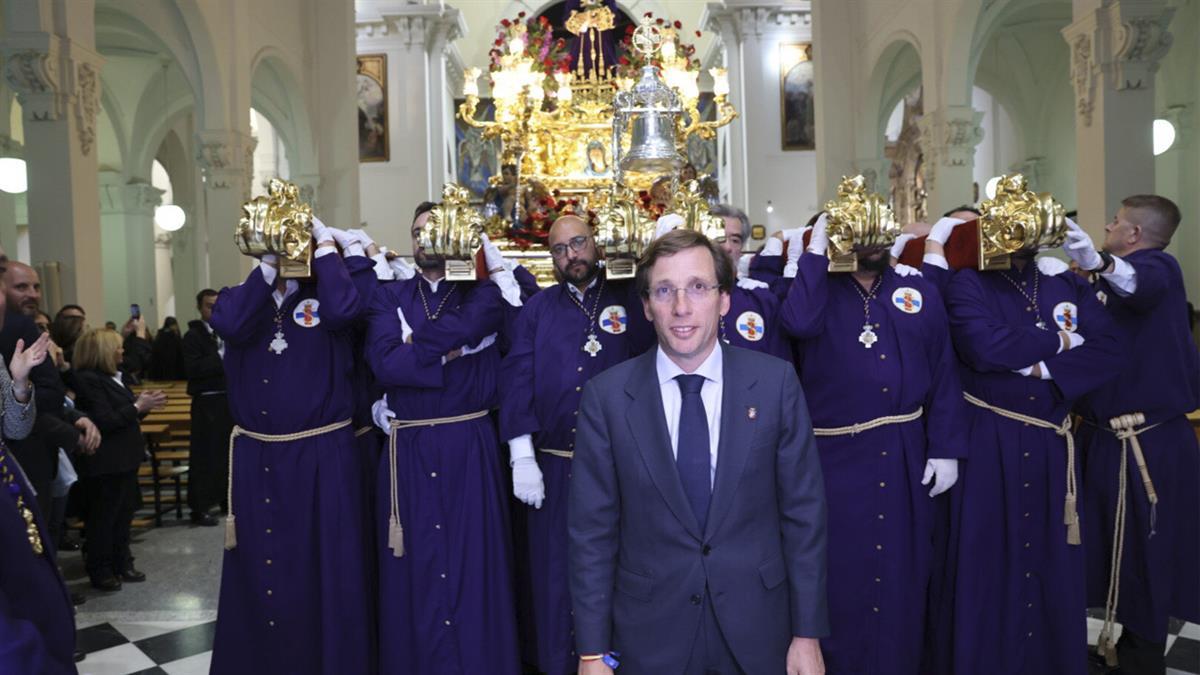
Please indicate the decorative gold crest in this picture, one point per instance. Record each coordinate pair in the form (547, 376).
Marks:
(278, 223)
(623, 231)
(857, 220)
(452, 232)
(1017, 219)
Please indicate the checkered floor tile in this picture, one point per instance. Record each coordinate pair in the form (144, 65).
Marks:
(147, 648)
(1183, 644)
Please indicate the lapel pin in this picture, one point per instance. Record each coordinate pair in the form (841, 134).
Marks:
(752, 413)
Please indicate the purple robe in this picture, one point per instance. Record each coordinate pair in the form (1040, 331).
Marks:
(37, 621)
(541, 382)
(880, 516)
(446, 606)
(295, 589)
(1014, 595)
(1160, 377)
(752, 322)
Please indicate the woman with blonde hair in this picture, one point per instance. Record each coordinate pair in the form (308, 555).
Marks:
(110, 474)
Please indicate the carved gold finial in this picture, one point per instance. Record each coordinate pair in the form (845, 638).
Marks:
(857, 219)
(1018, 219)
(278, 223)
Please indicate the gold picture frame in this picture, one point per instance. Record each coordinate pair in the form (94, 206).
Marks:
(796, 111)
(371, 89)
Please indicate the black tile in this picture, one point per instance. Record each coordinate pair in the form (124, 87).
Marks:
(1184, 655)
(179, 644)
(1095, 613)
(150, 671)
(100, 636)
(1174, 625)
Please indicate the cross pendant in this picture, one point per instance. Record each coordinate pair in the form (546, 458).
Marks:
(867, 337)
(592, 346)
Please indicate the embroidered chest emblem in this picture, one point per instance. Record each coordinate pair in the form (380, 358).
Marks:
(307, 314)
(750, 325)
(907, 300)
(1066, 315)
(614, 320)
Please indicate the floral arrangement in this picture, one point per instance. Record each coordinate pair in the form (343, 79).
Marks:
(631, 61)
(550, 55)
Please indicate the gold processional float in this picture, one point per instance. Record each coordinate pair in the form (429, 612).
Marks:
(555, 126)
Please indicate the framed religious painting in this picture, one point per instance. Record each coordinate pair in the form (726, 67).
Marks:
(796, 110)
(478, 158)
(372, 108)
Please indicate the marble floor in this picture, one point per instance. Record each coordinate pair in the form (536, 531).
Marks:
(166, 624)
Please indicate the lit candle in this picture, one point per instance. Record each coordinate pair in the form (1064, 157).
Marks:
(470, 83)
(668, 50)
(720, 81)
(516, 46)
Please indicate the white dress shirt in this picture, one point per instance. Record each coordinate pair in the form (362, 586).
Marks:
(710, 393)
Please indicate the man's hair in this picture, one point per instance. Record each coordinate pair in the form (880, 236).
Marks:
(202, 295)
(1163, 218)
(964, 207)
(731, 211)
(423, 207)
(677, 241)
(813, 221)
(65, 330)
(97, 349)
(67, 308)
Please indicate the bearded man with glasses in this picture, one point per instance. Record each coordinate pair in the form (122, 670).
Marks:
(563, 336)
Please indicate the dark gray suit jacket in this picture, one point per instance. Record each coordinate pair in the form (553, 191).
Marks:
(639, 563)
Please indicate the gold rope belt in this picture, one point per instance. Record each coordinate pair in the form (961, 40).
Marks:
(558, 453)
(230, 527)
(395, 529)
(859, 427)
(1070, 511)
(1127, 428)
(363, 431)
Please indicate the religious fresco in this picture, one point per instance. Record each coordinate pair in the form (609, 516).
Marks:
(796, 97)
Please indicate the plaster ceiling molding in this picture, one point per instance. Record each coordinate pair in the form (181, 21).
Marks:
(1080, 36)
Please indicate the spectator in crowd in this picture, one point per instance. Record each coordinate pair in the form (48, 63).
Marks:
(64, 331)
(166, 357)
(138, 347)
(110, 475)
(212, 422)
(71, 310)
(43, 321)
(110, 325)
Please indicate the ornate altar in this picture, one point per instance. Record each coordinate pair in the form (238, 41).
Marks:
(598, 121)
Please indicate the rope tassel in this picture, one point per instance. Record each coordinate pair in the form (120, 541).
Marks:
(395, 537)
(1071, 520)
(230, 533)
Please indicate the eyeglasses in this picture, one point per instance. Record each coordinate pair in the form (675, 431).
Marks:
(695, 292)
(577, 244)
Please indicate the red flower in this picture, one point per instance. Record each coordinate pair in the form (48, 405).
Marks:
(678, 25)
(629, 29)
(649, 14)
(543, 21)
(520, 15)
(505, 22)
(499, 42)
(623, 60)
(561, 42)
(658, 21)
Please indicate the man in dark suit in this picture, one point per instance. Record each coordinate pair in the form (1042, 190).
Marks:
(56, 425)
(697, 513)
(208, 457)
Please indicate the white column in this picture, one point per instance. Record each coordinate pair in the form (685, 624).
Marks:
(226, 160)
(164, 279)
(336, 113)
(752, 33)
(731, 143)
(948, 137)
(1116, 46)
(51, 62)
(415, 39)
(127, 247)
(8, 202)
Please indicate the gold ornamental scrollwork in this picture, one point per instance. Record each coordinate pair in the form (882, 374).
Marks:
(452, 233)
(856, 220)
(278, 223)
(1018, 219)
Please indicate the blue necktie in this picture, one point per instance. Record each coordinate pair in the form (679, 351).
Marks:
(692, 456)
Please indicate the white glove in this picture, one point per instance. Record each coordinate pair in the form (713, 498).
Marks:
(362, 237)
(528, 485)
(946, 472)
(667, 223)
(491, 255)
(773, 247)
(1051, 266)
(795, 248)
(483, 344)
(406, 330)
(402, 268)
(940, 232)
(320, 233)
(382, 415)
(383, 271)
(1079, 247)
(743, 266)
(906, 271)
(901, 242)
(818, 243)
(751, 284)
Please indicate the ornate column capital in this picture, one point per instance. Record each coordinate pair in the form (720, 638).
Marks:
(949, 135)
(122, 198)
(227, 159)
(1118, 45)
(742, 20)
(429, 26)
(53, 77)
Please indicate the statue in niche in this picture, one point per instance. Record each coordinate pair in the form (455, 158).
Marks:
(908, 193)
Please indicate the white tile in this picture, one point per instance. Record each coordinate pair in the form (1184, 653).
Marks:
(1190, 630)
(115, 661)
(84, 621)
(1172, 671)
(1170, 641)
(192, 665)
(141, 630)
